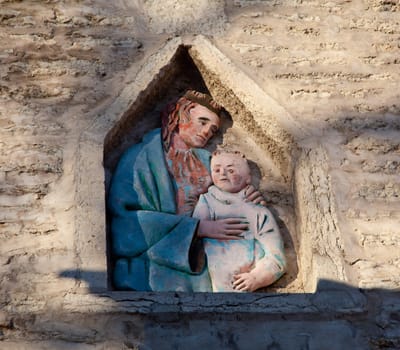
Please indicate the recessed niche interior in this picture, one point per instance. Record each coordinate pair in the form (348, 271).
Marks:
(239, 131)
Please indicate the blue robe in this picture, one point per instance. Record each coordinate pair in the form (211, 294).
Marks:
(153, 248)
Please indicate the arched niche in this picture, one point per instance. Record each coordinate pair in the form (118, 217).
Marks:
(255, 124)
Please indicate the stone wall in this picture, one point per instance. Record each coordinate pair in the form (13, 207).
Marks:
(330, 69)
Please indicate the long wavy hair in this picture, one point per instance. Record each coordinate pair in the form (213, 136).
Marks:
(172, 115)
(179, 112)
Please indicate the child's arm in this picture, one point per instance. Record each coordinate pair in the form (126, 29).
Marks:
(272, 266)
(253, 280)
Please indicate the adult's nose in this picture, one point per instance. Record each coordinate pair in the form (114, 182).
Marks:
(206, 131)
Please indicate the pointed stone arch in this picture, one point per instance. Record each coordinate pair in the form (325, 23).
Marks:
(256, 124)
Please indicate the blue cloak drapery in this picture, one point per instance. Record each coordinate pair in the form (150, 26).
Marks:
(153, 248)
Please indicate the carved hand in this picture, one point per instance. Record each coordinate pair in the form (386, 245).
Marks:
(245, 282)
(254, 195)
(230, 228)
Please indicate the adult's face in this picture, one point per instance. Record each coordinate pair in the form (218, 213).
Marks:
(201, 126)
(230, 172)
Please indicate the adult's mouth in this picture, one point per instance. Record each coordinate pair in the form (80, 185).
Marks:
(202, 138)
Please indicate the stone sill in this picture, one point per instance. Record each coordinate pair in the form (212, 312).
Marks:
(330, 300)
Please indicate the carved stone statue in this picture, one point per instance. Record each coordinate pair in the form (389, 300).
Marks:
(156, 243)
(253, 259)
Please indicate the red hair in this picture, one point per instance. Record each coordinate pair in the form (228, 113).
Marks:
(178, 112)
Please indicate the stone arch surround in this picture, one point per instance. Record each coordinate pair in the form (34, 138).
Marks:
(295, 181)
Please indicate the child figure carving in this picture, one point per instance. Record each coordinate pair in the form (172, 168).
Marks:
(253, 259)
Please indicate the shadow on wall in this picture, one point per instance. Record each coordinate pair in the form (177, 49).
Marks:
(87, 277)
(336, 316)
(323, 285)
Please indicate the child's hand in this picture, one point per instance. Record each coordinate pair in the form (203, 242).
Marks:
(230, 228)
(245, 282)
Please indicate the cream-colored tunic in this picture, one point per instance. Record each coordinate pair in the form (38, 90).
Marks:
(261, 244)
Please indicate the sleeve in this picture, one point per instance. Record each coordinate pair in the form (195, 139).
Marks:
(269, 237)
(142, 206)
(202, 210)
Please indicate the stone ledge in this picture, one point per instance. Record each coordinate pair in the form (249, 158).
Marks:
(331, 300)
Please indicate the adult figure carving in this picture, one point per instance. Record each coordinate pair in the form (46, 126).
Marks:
(156, 244)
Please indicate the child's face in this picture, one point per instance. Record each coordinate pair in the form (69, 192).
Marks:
(230, 172)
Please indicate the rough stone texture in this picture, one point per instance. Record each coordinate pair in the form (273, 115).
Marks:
(312, 89)
(320, 237)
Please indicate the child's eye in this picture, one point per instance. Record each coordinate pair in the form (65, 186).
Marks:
(216, 170)
(231, 171)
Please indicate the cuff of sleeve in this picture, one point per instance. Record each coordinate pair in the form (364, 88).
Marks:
(174, 250)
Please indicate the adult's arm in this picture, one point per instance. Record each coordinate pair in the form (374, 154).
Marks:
(223, 229)
(142, 206)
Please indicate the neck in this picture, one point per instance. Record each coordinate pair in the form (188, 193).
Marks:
(177, 143)
(239, 194)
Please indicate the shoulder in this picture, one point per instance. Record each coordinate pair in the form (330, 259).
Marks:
(203, 155)
(151, 136)
(257, 209)
(151, 141)
(260, 209)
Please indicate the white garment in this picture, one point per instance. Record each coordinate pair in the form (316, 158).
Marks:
(261, 244)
